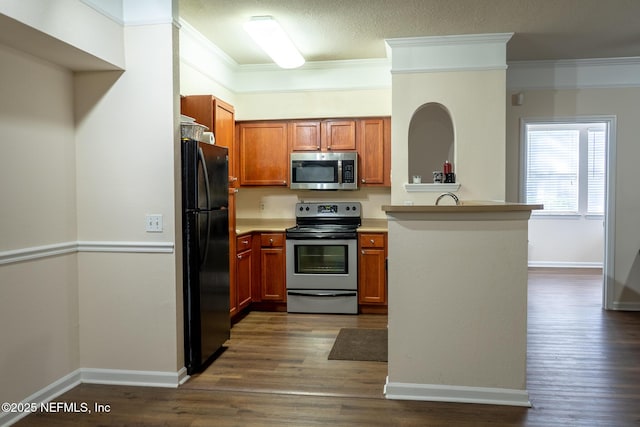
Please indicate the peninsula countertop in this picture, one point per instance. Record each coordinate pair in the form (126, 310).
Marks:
(467, 206)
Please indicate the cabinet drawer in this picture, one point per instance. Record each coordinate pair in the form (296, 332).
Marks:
(272, 239)
(243, 243)
(372, 240)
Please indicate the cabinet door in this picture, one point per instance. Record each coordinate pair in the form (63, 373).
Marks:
(243, 277)
(233, 297)
(200, 107)
(264, 154)
(372, 275)
(304, 136)
(339, 135)
(273, 274)
(223, 130)
(374, 149)
(372, 289)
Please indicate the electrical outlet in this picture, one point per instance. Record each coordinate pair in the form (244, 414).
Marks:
(153, 223)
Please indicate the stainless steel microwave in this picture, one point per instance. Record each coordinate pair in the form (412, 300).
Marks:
(324, 171)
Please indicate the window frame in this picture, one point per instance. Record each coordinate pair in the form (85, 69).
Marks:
(582, 212)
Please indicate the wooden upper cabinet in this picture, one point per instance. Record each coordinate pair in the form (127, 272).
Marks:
(339, 135)
(264, 153)
(323, 135)
(223, 129)
(304, 135)
(219, 117)
(374, 151)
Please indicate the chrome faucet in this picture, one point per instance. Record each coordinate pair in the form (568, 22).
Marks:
(453, 196)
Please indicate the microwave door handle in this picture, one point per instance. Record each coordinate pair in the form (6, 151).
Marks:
(339, 171)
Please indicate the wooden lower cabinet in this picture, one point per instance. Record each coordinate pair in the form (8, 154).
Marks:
(372, 271)
(272, 267)
(260, 272)
(240, 290)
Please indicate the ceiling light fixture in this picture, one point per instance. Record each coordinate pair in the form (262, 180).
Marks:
(266, 32)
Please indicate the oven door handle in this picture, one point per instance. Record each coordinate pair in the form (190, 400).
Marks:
(323, 294)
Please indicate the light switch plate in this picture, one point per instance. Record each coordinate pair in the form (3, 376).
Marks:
(153, 223)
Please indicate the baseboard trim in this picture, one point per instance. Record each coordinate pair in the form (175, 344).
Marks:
(132, 378)
(457, 394)
(559, 264)
(98, 376)
(626, 306)
(47, 394)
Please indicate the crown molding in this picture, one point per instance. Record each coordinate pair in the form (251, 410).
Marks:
(470, 52)
(476, 52)
(574, 73)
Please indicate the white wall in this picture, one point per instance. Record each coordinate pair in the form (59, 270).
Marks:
(126, 147)
(475, 102)
(621, 102)
(84, 157)
(569, 242)
(38, 303)
(65, 32)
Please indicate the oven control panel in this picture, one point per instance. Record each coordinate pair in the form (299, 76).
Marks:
(328, 209)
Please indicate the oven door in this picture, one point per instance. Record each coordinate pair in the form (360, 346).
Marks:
(322, 264)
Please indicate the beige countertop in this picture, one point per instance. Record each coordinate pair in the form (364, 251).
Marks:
(262, 225)
(373, 226)
(249, 225)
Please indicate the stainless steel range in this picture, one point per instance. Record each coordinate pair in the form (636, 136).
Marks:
(322, 258)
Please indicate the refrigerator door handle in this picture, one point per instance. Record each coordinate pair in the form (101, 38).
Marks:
(205, 251)
(206, 176)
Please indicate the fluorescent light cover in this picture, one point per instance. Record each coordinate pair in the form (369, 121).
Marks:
(266, 32)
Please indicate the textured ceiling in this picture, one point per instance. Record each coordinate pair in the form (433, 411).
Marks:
(326, 30)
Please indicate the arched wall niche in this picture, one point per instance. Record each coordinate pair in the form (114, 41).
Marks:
(431, 140)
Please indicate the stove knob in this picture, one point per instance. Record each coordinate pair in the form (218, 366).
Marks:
(307, 208)
(354, 208)
(301, 208)
(347, 207)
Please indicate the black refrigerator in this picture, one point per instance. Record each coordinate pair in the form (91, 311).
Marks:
(205, 222)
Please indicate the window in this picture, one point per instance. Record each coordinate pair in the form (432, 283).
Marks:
(564, 167)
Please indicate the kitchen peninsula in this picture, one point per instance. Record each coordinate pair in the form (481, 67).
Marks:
(458, 302)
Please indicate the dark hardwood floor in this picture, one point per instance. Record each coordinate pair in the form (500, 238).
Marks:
(583, 370)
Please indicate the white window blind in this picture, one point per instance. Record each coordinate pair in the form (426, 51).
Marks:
(565, 167)
(552, 169)
(596, 171)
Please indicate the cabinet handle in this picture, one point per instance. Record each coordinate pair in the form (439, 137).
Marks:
(372, 241)
(363, 180)
(271, 241)
(328, 147)
(284, 182)
(317, 147)
(362, 251)
(246, 242)
(239, 256)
